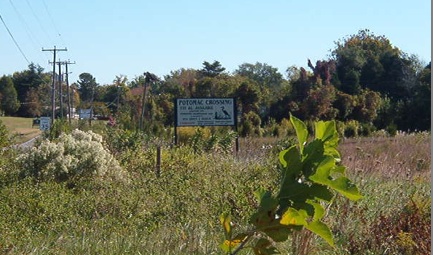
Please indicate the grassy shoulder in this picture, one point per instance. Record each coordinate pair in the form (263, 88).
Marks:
(21, 128)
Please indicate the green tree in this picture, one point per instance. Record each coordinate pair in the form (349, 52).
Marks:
(366, 107)
(87, 86)
(33, 99)
(113, 94)
(265, 75)
(211, 70)
(25, 81)
(180, 83)
(415, 113)
(344, 104)
(248, 96)
(9, 96)
(318, 104)
(367, 61)
(269, 80)
(204, 87)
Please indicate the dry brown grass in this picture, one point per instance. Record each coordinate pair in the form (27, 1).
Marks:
(406, 155)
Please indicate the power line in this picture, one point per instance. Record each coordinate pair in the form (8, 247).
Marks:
(16, 43)
(33, 39)
(54, 24)
(39, 21)
(52, 21)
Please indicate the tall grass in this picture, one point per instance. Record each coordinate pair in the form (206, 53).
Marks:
(178, 211)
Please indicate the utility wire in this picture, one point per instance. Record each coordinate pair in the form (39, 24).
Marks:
(32, 38)
(29, 32)
(16, 44)
(54, 24)
(39, 22)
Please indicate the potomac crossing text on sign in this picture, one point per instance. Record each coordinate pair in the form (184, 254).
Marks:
(205, 112)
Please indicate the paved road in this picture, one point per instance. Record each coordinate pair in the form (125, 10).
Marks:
(27, 145)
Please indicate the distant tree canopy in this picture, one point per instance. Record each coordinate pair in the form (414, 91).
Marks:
(366, 80)
(211, 70)
(31, 86)
(9, 97)
(87, 86)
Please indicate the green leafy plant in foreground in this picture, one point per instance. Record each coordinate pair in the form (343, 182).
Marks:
(311, 176)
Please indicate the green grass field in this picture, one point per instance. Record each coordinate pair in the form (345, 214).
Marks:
(21, 128)
(177, 211)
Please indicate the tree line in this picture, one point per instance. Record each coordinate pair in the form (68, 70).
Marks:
(366, 80)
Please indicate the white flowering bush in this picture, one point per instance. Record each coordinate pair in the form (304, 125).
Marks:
(71, 157)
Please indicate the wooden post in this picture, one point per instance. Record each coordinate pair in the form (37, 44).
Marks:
(158, 161)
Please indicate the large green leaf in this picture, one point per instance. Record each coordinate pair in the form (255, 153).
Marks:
(290, 159)
(295, 193)
(326, 131)
(322, 230)
(346, 187)
(292, 165)
(319, 211)
(301, 131)
(312, 156)
(266, 211)
(294, 217)
(341, 184)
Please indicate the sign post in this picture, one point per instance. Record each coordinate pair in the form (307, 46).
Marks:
(205, 112)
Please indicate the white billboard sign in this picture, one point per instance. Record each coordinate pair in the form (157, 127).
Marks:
(205, 112)
(84, 113)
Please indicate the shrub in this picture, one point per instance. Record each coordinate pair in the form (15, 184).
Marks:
(213, 143)
(250, 125)
(119, 140)
(407, 231)
(71, 157)
(366, 129)
(60, 126)
(185, 134)
(351, 129)
(287, 126)
(5, 138)
(272, 129)
(391, 129)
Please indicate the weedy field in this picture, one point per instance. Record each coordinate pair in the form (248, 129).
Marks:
(175, 209)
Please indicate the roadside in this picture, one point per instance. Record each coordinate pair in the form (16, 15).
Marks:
(28, 144)
(22, 129)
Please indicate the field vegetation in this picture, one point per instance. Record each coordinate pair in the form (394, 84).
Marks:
(21, 129)
(175, 208)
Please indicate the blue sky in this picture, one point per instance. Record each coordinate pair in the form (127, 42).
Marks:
(109, 38)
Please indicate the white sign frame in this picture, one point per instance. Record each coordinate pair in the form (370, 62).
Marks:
(205, 112)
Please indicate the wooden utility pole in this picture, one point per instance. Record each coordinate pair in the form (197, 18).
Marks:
(69, 94)
(60, 89)
(66, 63)
(53, 87)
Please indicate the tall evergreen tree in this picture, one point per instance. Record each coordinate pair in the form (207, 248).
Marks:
(9, 96)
